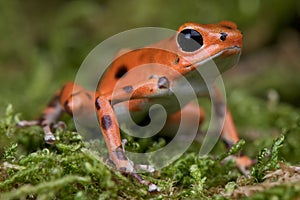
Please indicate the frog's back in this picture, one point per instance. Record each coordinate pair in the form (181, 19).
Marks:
(135, 67)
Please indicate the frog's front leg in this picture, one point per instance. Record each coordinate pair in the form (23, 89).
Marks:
(109, 125)
(111, 132)
(71, 98)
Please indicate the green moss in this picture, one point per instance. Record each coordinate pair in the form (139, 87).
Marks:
(267, 160)
(71, 169)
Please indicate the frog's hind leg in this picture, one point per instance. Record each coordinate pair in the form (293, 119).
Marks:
(190, 112)
(49, 116)
(71, 98)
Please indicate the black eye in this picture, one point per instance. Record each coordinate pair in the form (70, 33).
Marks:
(189, 40)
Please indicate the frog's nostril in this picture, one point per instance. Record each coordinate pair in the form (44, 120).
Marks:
(223, 36)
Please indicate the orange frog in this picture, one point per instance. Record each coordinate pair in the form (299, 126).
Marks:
(189, 49)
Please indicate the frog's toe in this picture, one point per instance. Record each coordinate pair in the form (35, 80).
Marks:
(49, 138)
(60, 124)
(153, 188)
(244, 163)
(147, 168)
(24, 123)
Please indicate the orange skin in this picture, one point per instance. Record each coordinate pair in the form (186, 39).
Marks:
(222, 40)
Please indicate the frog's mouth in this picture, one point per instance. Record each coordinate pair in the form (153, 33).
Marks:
(206, 71)
(227, 58)
(224, 59)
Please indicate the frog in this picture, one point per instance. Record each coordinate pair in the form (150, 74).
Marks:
(184, 53)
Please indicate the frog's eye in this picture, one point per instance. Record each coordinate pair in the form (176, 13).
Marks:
(189, 40)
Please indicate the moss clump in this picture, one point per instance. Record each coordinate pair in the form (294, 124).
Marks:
(70, 169)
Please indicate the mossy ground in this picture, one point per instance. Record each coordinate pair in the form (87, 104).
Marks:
(30, 169)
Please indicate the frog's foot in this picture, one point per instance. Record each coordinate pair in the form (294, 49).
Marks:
(143, 167)
(49, 137)
(47, 128)
(243, 163)
(126, 166)
(132, 171)
(151, 186)
(129, 168)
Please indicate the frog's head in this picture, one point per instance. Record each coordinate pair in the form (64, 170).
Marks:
(198, 43)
